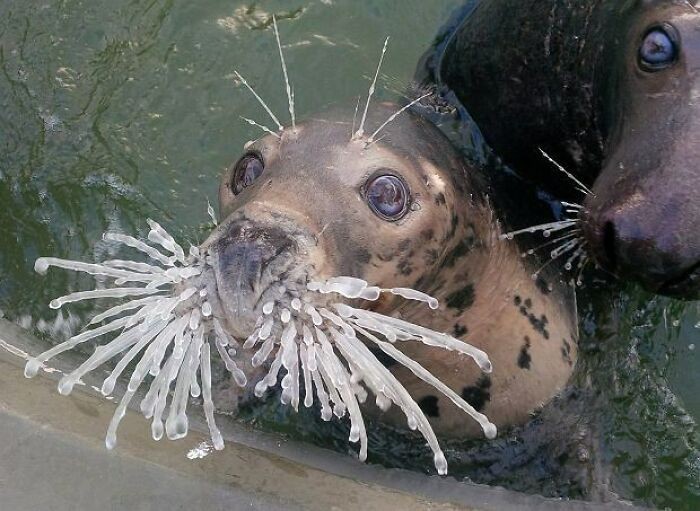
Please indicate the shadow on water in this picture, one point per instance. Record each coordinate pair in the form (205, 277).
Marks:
(114, 111)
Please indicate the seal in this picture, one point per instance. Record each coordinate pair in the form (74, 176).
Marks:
(404, 211)
(609, 90)
(312, 214)
(300, 207)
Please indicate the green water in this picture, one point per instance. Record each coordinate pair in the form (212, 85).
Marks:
(115, 111)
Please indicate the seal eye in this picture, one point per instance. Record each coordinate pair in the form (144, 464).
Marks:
(658, 50)
(387, 196)
(246, 171)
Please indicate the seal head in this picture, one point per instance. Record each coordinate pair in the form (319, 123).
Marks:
(610, 91)
(402, 211)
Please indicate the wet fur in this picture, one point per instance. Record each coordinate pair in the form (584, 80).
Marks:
(447, 246)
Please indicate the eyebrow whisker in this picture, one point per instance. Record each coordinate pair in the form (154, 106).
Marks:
(290, 93)
(361, 130)
(260, 100)
(264, 128)
(394, 116)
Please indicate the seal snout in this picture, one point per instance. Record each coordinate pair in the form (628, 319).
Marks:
(249, 258)
(635, 240)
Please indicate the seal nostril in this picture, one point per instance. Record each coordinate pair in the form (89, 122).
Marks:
(609, 244)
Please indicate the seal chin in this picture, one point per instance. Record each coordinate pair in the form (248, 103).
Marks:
(686, 287)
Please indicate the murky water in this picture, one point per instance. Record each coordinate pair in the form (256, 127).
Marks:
(114, 111)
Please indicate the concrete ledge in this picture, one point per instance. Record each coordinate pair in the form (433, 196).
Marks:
(53, 458)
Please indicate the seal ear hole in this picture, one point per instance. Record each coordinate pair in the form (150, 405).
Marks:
(246, 170)
(659, 48)
(388, 196)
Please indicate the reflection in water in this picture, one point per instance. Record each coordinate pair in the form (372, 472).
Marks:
(114, 111)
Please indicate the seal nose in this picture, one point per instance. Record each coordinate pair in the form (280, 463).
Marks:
(243, 253)
(632, 245)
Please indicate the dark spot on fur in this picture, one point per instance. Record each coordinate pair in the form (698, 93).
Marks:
(386, 258)
(462, 299)
(462, 249)
(566, 352)
(524, 358)
(517, 300)
(523, 310)
(543, 286)
(479, 394)
(428, 234)
(383, 358)
(460, 330)
(539, 325)
(440, 199)
(403, 246)
(405, 267)
(429, 405)
(453, 227)
(528, 303)
(431, 256)
(362, 256)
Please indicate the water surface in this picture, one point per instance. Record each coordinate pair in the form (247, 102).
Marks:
(112, 111)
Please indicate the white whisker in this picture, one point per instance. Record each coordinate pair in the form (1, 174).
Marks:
(299, 341)
(531, 251)
(261, 101)
(290, 95)
(354, 117)
(581, 187)
(361, 130)
(545, 228)
(370, 140)
(262, 127)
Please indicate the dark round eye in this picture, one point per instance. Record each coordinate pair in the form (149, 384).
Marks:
(658, 50)
(246, 171)
(387, 195)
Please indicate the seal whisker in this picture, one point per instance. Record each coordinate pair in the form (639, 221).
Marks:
(260, 100)
(262, 127)
(371, 140)
(361, 130)
(580, 186)
(547, 229)
(575, 232)
(354, 117)
(310, 342)
(290, 94)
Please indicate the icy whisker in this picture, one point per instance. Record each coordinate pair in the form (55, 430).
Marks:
(361, 130)
(262, 127)
(260, 100)
(290, 94)
(371, 138)
(581, 187)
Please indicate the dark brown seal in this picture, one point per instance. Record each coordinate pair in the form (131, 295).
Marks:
(610, 90)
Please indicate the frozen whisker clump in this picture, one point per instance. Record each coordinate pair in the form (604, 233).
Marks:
(565, 236)
(324, 351)
(164, 325)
